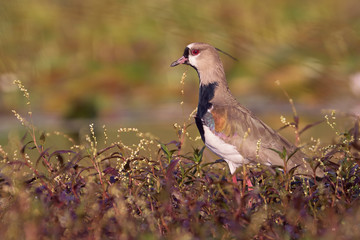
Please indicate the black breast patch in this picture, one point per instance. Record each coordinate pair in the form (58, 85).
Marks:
(206, 93)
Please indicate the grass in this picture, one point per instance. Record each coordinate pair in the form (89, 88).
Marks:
(148, 189)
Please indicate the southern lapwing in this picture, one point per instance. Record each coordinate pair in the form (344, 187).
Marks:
(229, 129)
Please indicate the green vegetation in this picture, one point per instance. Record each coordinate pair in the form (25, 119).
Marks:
(152, 190)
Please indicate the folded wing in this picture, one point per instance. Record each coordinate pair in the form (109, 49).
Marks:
(253, 139)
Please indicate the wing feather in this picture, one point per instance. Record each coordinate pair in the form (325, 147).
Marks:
(254, 139)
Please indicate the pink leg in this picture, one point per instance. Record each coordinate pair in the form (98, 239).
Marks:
(249, 184)
(234, 179)
(247, 180)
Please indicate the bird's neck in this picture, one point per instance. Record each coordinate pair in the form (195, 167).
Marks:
(213, 90)
(212, 74)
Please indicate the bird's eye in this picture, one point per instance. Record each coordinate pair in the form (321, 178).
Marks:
(195, 52)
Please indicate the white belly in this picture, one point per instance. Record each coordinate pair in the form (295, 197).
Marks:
(227, 151)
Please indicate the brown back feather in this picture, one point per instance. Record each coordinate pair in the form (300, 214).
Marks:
(254, 139)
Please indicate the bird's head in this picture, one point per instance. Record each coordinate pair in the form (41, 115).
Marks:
(200, 56)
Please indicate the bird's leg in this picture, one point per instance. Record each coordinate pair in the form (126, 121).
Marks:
(234, 179)
(246, 181)
(249, 184)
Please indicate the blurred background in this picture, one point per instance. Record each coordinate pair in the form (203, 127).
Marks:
(108, 61)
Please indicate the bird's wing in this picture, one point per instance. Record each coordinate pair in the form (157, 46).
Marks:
(253, 139)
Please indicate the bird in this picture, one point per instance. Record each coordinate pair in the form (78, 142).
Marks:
(229, 129)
